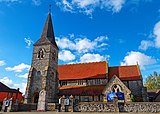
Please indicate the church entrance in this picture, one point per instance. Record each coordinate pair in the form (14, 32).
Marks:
(35, 97)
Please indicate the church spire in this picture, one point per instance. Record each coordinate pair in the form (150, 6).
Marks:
(48, 28)
(47, 35)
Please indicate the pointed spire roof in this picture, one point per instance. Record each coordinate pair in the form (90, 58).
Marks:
(47, 35)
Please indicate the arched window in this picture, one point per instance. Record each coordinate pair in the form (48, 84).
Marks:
(41, 53)
(116, 88)
(54, 55)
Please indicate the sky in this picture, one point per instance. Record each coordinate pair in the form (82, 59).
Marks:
(123, 32)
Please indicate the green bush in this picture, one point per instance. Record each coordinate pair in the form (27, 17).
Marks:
(133, 98)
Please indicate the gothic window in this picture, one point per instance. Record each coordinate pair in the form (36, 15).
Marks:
(116, 88)
(54, 55)
(41, 53)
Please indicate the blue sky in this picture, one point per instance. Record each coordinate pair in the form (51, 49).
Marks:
(122, 31)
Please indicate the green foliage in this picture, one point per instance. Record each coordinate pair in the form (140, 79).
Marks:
(133, 98)
(153, 81)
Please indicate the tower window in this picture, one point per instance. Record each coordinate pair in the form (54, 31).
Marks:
(41, 54)
(54, 55)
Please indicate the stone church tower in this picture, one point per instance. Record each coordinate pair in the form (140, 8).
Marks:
(43, 73)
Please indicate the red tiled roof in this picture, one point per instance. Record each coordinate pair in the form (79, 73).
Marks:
(125, 72)
(97, 70)
(4, 88)
(82, 71)
(82, 90)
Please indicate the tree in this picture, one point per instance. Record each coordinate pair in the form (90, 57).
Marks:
(153, 81)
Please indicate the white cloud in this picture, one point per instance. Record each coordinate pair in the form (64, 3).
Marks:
(156, 32)
(114, 5)
(66, 55)
(13, 85)
(28, 41)
(36, 2)
(133, 57)
(102, 45)
(88, 6)
(23, 76)
(85, 3)
(23, 87)
(91, 58)
(65, 5)
(64, 42)
(7, 81)
(82, 44)
(2, 63)
(101, 38)
(145, 44)
(18, 68)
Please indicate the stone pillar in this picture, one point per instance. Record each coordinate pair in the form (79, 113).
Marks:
(8, 105)
(66, 104)
(11, 105)
(127, 97)
(115, 102)
(105, 98)
(4, 105)
(42, 101)
(62, 104)
(70, 107)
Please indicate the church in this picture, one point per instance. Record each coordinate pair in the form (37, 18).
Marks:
(86, 82)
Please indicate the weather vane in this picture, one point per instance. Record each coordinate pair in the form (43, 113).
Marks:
(50, 8)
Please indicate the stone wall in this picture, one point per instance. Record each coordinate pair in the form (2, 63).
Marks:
(137, 107)
(52, 107)
(27, 107)
(142, 107)
(97, 107)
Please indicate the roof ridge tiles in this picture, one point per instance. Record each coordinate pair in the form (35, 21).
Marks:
(124, 66)
(81, 63)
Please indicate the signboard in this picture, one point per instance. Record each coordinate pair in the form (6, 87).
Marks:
(7, 102)
(66, 101)
(120, 95)
(110, 96)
